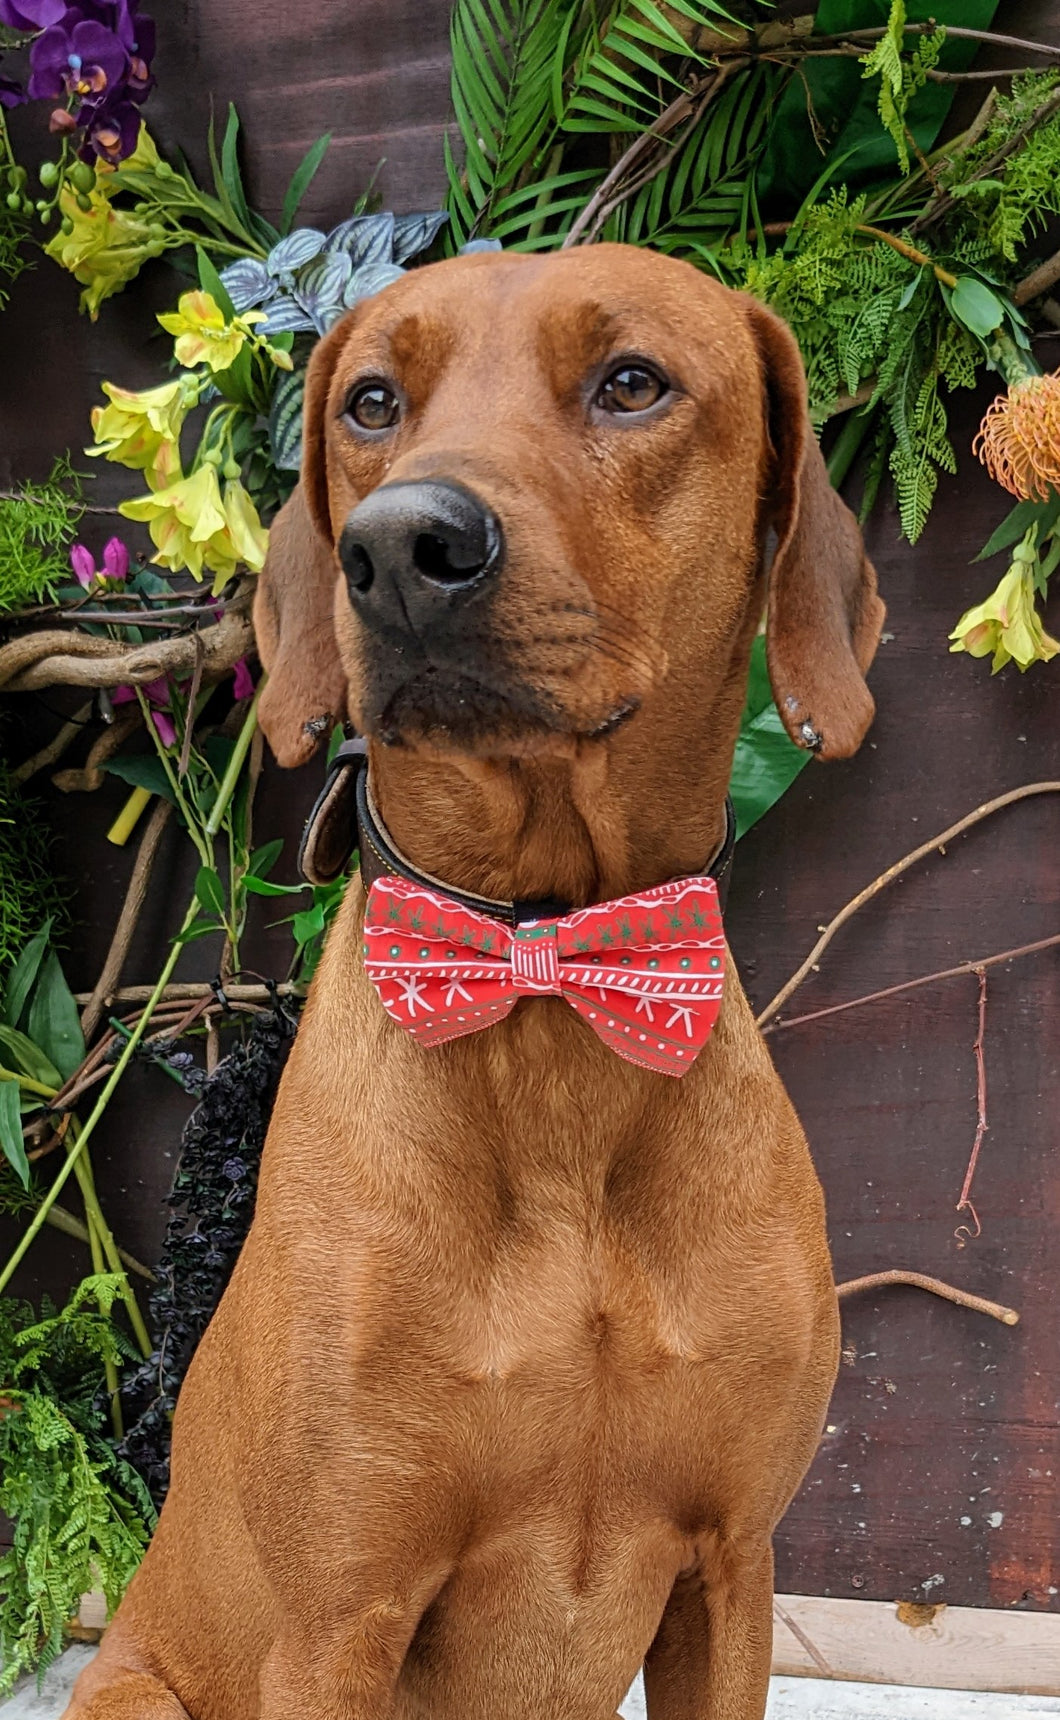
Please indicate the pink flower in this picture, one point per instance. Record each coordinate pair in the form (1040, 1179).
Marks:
(113, 572)
(83, 564)
(157, 694)
(242, 681)
(115, 559)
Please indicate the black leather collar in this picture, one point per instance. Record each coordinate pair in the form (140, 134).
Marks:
(345, 817)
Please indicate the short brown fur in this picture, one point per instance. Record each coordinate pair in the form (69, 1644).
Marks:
(528, 1348)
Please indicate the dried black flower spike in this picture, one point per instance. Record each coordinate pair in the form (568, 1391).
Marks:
(212, 1205)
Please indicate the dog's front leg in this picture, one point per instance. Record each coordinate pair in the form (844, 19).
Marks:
(345, 1671)
(712, 1652)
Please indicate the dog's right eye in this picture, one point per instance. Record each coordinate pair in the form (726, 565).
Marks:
(373, 407)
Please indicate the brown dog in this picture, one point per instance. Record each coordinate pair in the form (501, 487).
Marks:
(528, 1347)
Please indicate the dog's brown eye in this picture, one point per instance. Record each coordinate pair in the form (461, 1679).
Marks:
(374, 407)
(631, 388)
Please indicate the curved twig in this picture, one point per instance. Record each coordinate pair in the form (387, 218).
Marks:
(130, 913)
(90, 776)
(55, 748)
(921, 1281)
(49, 657)
(912, 984)
(888, 877)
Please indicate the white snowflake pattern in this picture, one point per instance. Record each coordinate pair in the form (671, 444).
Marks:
(643, 1004)
(456, 990)
(413, 991)
(682, 1012)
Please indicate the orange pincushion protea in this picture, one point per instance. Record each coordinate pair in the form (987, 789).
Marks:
(1019, 438)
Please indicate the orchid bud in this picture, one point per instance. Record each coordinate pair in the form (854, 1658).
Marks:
(83, 564)
(115, 559)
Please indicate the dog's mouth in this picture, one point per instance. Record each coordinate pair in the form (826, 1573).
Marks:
(411, 695)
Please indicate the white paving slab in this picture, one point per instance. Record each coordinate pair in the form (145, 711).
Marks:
(789, 1699)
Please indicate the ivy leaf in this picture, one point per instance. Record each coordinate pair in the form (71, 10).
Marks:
(371, 280)
(54, 1023)
(364, 239)
(12, 1145)
(20, 980)
(285, 421)
(976, 306)
(299, 248)
(247, 283)
(286, 316)
(413, 234)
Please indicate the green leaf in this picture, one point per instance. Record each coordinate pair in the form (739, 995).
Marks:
(301, 179)
(766, 761)
(11, 1143)
(23, 973)
(974, 305)
(211, 282)
(209, 891)
(308, 924)
(54, 1023)
(262, 887)
(200, 929)
(233, 179)
(1016, 523)
(263, 859)
(29, 1059)
(142, 770)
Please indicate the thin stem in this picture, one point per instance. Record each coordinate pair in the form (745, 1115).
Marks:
(903, 247)
(921, 1281)
(847, 445)
(110, 1370)
(235, 765)
(888, 877)
(92, 1121)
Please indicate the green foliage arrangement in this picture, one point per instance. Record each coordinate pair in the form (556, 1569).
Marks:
(38, 523)
(82, 1517)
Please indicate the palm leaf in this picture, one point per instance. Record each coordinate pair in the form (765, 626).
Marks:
(504, 55)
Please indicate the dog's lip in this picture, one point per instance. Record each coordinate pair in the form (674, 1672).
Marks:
(621, 714)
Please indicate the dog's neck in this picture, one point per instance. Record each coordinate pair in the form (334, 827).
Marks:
(589, 823)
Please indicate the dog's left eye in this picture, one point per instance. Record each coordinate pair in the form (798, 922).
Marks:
(630, 388)
(373, 407)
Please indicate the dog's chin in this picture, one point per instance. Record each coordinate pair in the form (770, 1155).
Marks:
(449, 711)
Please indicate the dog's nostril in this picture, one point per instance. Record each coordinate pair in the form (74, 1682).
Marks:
(358, 566)
(445, 562)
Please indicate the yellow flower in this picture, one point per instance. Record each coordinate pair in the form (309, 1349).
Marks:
(182, 519)
(248, 536)
(1007, 624)
(203, 336)
(141, 430)
(104, 248)
(1019, 438)
(191, 527)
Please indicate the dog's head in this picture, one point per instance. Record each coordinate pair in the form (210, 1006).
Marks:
(534, 504)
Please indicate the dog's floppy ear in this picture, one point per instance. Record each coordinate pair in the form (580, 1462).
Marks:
(305, 695)
(824, 617)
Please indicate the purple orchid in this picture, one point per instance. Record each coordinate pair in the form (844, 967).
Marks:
(76, 57)
(31, 14)
(111, 130)
(11, 93)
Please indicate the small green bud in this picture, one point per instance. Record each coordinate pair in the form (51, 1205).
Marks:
(18, 177)
(212, 457)
(163, 170)
(49, 174)
(156, 230)
(27, 206)
(44, 213)
(66, 225)
(82, 177)
(83, 203)
(14, 201)
(232, 469)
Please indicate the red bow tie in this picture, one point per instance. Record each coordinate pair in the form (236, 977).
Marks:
(646, 972)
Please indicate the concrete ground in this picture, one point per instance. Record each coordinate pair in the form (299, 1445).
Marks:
(790, 1699)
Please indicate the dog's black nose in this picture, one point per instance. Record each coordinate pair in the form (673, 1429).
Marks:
(432, 537)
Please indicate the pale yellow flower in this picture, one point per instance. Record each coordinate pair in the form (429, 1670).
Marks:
(105, 247)
(1007, 624)
(134, 428)
(182, 519)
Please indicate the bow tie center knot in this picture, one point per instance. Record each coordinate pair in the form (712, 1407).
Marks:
(535, 958)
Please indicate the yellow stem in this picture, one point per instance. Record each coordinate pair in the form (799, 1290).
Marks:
(905, 249)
